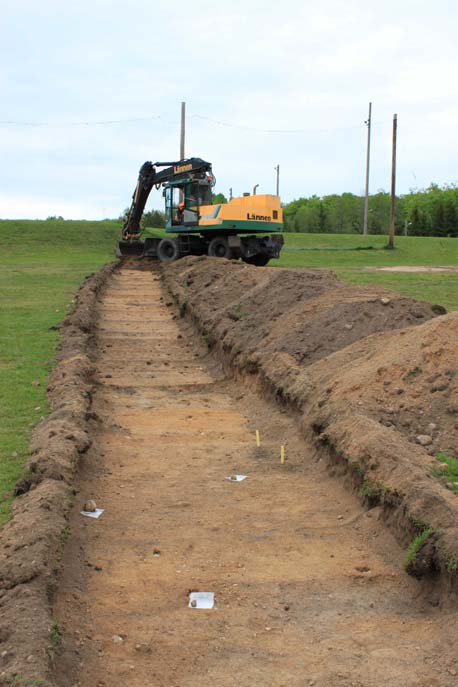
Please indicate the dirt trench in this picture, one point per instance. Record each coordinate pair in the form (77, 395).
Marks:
(309, 587)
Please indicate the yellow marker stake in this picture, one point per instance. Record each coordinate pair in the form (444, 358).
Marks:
(282, 455)
(258, 440)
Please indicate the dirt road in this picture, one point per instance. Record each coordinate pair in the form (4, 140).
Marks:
(309, 587)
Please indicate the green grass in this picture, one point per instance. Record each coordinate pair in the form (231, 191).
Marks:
(41, 266)
(415, 545)
(354, 265)
(450, 473)
(55, 640)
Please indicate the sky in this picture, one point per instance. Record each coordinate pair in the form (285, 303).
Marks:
(90, 90)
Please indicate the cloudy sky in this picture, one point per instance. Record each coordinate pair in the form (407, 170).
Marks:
(90, 90)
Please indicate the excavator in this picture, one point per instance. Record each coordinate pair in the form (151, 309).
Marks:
(245, 227)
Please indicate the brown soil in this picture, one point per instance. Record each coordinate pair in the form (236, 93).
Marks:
(309, 586)
(368, 369)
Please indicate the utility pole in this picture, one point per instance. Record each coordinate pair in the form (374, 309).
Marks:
(183, 130)
(277, 169)
(393, 182)
(368, 123)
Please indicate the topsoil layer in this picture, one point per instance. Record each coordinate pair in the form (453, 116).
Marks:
(373, 374)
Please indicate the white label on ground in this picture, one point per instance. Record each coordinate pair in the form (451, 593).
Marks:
(201, 600)
(93, 514)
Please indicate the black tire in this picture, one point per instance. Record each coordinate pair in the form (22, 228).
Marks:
(219, 248)
(258, 260)
(168, 250)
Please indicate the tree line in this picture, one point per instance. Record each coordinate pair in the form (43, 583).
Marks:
(432, 211)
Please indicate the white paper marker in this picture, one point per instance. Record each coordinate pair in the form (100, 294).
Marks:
(236, 478)
(201, 600)
(93, 514)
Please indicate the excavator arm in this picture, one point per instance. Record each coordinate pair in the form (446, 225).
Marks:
(150, 176)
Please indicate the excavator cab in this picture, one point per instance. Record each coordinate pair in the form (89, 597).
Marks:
(183, 201)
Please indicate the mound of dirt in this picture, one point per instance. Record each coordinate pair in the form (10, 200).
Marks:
(306, 313)
(31, 542)
(373, 373)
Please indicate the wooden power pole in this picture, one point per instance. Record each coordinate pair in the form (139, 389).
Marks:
(393, 183)
(183, 130)
(368, 159)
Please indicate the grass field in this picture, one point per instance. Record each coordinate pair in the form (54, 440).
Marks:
(42, 264)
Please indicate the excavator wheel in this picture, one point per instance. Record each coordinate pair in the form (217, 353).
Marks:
(168, 250)
(219, 248)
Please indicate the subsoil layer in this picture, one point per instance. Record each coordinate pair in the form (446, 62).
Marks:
(309, 585)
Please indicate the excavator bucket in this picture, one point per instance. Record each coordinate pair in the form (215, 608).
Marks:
(127, 248)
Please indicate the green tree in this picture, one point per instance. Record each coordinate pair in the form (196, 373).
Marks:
(154, 219)
(218, 198)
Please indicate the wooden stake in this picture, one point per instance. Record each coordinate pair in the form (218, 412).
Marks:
(282, 454)
(258, 439)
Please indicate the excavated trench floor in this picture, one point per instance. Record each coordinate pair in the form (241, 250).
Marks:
(309, 587)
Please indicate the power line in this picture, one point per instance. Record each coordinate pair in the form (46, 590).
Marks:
(103, 122)
(278, 131)
(110, 122)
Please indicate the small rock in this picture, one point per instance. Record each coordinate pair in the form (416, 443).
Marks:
(117, 639)
(439, 387)
(90, 506)
(424, 439)
(4, 653)
(385, 301)
(193, 603)
(15, 454)
(29, 658)
(432, 426)
(36, 382)
(348, 326)
(340, 517)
